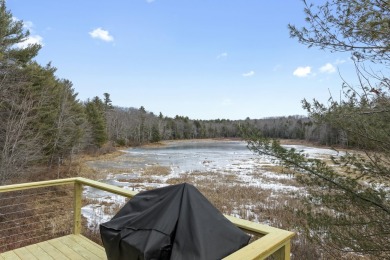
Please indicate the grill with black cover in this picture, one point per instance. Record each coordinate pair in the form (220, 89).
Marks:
(175, 222)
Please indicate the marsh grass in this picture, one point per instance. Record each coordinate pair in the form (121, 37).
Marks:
(156, 170)
(88, 172)
(277, 169)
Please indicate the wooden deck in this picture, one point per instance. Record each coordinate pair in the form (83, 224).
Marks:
(68, 247)
(272, 241)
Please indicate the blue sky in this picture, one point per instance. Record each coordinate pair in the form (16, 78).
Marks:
(202, 59)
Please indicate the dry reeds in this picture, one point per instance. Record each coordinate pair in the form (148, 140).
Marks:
(32, 216)
(156, 170)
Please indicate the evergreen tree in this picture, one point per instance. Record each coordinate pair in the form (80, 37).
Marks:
(348, 207)
(360, 27)
(95, 115)
(12, 34)
(155, 134)
(107, 101)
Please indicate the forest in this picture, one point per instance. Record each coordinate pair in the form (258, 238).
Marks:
(131, 126)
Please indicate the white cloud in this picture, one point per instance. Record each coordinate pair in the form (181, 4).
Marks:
(302, 71)
(223, 55)
(150, 1)
(101, 34)
(328, 68)
(28, 25)
(32, 39)
(248, 74)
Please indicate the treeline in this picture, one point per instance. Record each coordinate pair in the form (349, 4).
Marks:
(131, 126)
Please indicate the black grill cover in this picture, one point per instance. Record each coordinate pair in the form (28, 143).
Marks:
(175, 222)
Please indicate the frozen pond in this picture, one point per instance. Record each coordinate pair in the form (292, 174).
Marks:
(199, 155)
(183, 156)
(192, 156)
(178, 157)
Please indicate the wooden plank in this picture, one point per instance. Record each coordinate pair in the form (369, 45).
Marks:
(261, 248)
(78, 190)
(64, 249)
(39, 184)
(79, 249)
(52, 251)
(283, 253)
(38, 252)
(84, 181)
(273, 240)
(23, 253)
(256, 227)
(90, 246)
(10, 255)
(107, 187)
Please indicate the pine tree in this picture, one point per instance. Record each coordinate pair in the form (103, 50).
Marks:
(95, 115)
(156, 137)
(360, 27)
(12, 34)
(107, 101)
(348, 207)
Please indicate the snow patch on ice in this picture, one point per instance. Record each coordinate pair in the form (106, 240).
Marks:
(233, 160)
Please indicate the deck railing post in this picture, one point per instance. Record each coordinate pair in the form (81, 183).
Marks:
(78, 189)
(283, 253)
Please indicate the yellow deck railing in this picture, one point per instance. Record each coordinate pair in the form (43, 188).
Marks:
(272, 241)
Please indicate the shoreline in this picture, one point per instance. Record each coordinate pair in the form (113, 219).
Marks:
(167, 142)
(282, 142)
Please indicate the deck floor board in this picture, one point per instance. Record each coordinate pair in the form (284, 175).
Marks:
(52, 251)
(73, 247)
(38, 252)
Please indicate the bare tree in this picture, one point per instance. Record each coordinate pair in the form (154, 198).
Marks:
(18, 141)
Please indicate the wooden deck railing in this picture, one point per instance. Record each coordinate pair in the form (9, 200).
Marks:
(272, 241)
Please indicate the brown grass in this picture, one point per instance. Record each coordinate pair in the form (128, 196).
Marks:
(87, 172)
(33, 216)
(156, 170)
